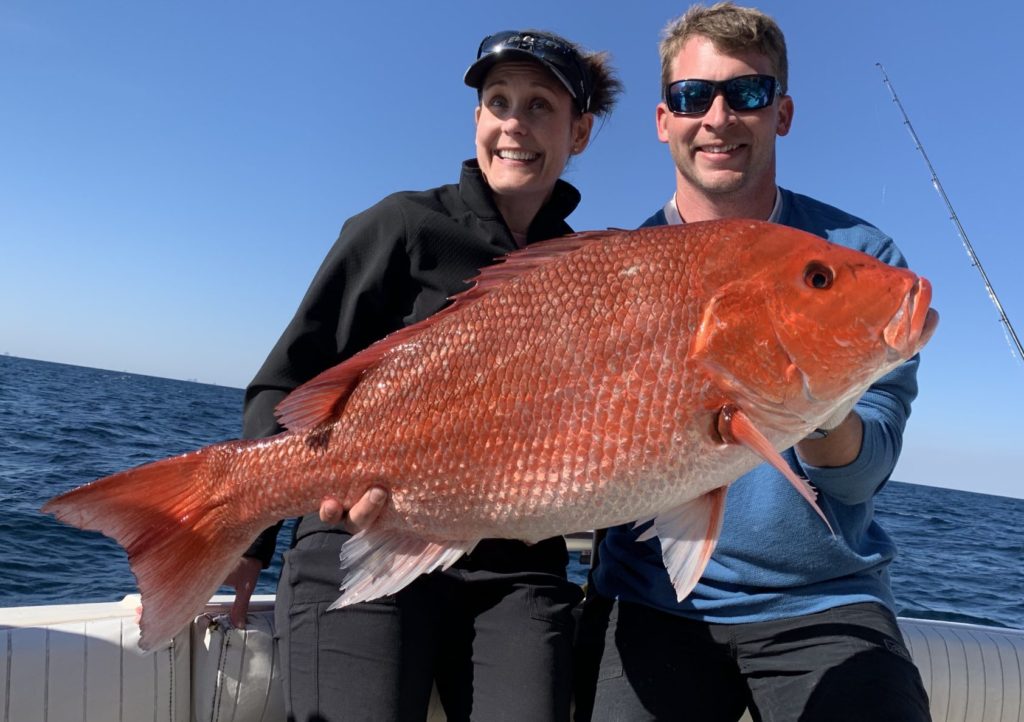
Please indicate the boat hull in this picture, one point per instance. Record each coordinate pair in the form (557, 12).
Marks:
(58, 661)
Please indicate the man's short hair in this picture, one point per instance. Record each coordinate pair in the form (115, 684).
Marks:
(732, 29)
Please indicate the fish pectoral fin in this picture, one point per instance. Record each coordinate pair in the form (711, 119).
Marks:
(688, 535)
(649, 533)
(376, 563)
(736, 427)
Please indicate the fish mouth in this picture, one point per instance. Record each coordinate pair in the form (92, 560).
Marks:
(914, 322)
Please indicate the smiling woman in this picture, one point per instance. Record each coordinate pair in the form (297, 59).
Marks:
(522, 143)
(538, 98)
(393, 265)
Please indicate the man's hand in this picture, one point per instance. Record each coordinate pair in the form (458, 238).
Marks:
(839, 448)
(840, 415)
(360, 516)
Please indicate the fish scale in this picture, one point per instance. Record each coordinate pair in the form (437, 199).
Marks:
(583, 382)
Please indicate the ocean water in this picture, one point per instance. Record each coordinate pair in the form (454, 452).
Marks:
(61, 426)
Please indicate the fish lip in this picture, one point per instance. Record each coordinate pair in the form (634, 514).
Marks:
(914, 322)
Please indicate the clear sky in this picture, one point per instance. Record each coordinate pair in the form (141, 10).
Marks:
(172, 173)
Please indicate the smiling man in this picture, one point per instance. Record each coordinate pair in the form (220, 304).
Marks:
(787, 619)
(725, 160)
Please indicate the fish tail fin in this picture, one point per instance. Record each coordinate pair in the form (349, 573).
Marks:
(178, 526)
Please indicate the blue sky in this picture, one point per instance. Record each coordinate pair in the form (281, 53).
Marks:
(171, 174)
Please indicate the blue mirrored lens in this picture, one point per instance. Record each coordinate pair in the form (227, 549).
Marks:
(746, 92)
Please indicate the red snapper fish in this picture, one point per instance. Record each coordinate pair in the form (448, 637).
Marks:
(584, 382)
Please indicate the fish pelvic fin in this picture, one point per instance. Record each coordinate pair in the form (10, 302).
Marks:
(688, 535)
(377, 563)
(181, 542)
(736, 427)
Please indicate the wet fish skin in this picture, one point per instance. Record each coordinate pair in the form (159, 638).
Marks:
(579, 385)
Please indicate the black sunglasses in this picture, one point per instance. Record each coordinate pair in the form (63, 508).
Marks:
(530, 42)
(559, 57)
(745, 92)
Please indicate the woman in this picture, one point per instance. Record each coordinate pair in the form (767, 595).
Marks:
(495, 630)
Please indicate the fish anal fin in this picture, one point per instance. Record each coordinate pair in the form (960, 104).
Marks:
(376, 563)
(736, 427)
(323, 398)
(688, 535)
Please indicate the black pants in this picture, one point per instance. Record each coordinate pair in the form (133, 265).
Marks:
(847, 664)
(498, 644)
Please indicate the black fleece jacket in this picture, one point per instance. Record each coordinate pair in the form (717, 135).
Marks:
(393, 265)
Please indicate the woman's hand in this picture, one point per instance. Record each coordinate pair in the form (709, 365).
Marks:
(243, 577)
(360, 516)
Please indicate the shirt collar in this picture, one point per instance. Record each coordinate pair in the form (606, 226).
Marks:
(673, 218)
(550, 220)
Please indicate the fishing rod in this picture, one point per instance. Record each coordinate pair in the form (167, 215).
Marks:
(1011, 335)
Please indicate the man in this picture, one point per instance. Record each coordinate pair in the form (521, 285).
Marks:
(787, 619)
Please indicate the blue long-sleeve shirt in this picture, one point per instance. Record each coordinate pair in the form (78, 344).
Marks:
(775, 558)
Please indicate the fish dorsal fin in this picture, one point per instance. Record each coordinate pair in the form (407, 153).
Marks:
(323, 397)
(520, 262)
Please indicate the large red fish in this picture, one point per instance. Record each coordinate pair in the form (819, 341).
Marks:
(584, 382)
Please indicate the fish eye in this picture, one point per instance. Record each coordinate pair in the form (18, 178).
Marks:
(818, 275)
